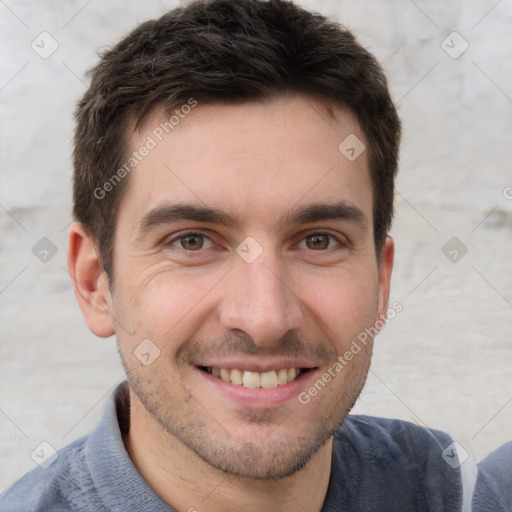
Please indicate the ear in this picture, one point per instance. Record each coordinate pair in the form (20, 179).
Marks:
(385, 270)
(90, 281)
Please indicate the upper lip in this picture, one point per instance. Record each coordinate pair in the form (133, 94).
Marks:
(257, 366)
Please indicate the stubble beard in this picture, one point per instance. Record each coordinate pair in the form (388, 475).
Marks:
(268, 458)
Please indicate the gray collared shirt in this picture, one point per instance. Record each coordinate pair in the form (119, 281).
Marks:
(378, 465)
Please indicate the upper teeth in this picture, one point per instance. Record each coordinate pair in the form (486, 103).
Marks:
(270, 379)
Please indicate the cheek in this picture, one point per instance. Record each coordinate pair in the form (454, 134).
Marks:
(345, 304)
(164, 306)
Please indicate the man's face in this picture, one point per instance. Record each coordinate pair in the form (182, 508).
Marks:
(244, 247)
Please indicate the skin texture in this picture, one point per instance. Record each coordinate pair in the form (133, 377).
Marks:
(303, 299)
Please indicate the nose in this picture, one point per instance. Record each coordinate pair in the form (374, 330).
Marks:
(260, 302)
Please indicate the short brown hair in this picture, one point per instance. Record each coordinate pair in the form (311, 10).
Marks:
(226, 51)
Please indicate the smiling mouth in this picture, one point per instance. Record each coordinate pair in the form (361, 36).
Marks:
(268, 380)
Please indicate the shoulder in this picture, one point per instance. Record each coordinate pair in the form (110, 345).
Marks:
(383, 437)
(389, 459)
(493, 489)
(60, 487)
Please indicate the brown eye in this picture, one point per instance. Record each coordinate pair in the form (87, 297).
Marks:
(192, 242)
(317, 241)
(188, 242)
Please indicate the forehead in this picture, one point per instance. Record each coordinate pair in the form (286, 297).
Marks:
(256, 160)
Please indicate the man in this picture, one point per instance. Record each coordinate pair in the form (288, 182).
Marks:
(233, 191)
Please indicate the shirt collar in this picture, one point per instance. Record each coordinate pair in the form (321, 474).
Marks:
(119, 484)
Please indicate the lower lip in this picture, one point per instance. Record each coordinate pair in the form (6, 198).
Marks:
(258, 398)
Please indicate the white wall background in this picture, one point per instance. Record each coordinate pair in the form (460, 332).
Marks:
(445, 361)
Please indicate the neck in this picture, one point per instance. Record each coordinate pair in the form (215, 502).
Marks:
(187, 483)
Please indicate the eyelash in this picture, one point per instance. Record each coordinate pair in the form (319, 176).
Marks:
(170, 242)
(330, 236)
(184, 235)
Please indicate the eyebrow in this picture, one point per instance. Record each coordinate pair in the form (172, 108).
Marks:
(168, 213)
(341, 211)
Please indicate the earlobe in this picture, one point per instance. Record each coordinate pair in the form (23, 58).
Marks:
(89, 281)
(385, 270)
